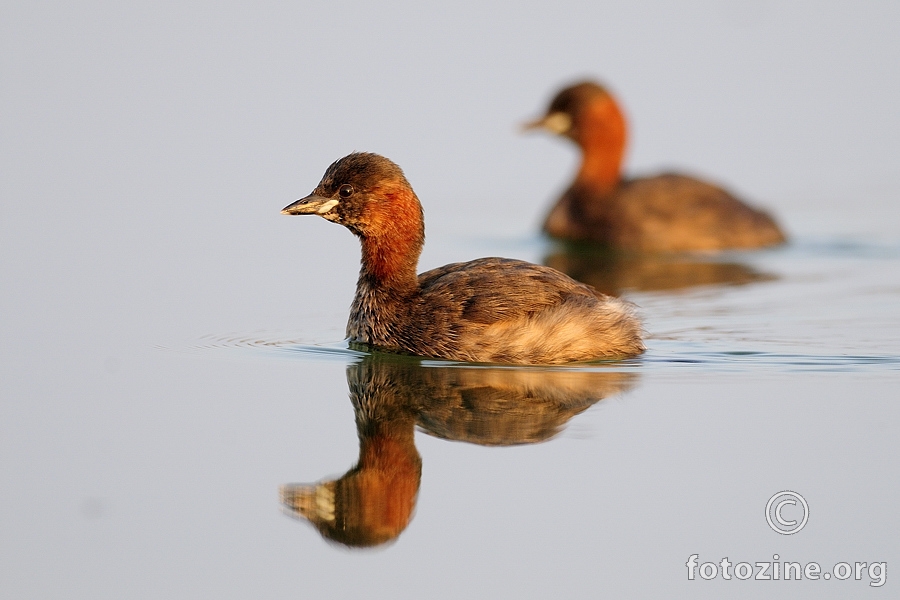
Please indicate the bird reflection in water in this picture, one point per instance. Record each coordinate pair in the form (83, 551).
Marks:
(492, 406)
(614, 272)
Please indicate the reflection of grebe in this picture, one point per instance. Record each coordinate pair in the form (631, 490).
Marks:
(668, 212)
(374, 502)
(503, 407)
(618, 272)
(487, 310)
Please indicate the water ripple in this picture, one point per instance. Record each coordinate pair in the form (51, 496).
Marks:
(266, 343)
(748, 360)
(658, 358)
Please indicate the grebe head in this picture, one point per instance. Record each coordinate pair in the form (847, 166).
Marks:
(579, 110)
(587, 114)
(369, 195)
(364, 192)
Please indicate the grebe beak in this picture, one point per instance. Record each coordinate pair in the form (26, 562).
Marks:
(311, 205)
(531, 125)
(558, 122)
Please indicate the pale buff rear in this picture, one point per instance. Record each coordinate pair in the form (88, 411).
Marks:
(579, 329)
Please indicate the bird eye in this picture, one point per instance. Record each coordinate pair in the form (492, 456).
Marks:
(346, 190)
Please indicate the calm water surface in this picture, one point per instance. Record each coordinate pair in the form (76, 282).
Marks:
(159, 465)
(765, 371)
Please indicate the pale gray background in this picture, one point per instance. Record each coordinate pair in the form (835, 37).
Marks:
(146, 152)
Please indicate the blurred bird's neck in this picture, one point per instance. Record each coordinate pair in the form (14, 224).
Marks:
(602, 139)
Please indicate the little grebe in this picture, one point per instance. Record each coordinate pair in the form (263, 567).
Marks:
(485, 310)
(668, 212)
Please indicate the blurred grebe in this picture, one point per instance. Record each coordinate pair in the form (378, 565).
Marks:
(486, 310)
(667, 212)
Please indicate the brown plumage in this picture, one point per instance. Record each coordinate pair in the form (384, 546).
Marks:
(668, 212)
(485, 310)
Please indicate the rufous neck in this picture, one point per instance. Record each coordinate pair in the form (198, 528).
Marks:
(389, 473)
(390, 447)
(392, 241)
(602, 138)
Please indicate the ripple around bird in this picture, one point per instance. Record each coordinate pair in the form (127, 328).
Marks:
(661, 355)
